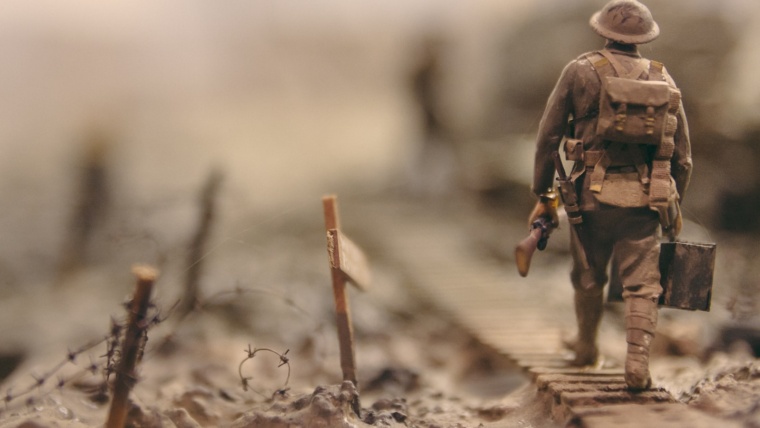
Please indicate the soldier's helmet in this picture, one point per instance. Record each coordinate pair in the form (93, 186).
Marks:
(625, 21)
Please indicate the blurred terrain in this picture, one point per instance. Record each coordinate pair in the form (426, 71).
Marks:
(294, 98)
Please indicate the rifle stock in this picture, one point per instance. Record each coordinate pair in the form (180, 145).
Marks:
(537, 239)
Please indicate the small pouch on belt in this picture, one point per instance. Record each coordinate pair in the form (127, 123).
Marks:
(574, 149)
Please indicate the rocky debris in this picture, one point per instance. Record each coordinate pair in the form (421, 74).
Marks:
(327, 407)
(730, 392)
(397, 379)
(196, 403)
(140, 416)
(182, 419)
(634, 415)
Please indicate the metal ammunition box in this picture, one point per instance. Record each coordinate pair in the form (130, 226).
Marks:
(686, 276)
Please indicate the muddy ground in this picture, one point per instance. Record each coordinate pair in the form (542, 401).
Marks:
(267, 288)
(266, 291)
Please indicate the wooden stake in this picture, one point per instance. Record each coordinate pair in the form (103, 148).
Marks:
(345, 329)
(130, 348)
(195, 257)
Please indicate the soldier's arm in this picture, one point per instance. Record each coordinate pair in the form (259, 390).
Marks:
(681, 164)
(552, 128)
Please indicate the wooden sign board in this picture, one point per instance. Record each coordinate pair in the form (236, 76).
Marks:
(348, 258)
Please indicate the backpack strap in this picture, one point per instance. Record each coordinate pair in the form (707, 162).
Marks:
(620, 70)
(655, 70)
(660, 191)
(604, 67)
(601, 64)
(600, 170)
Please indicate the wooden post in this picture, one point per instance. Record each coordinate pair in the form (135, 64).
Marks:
(195, 259)
(130, 348)
(345, 328)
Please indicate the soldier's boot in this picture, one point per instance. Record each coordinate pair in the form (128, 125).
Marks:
(588, 313)
(640, 321)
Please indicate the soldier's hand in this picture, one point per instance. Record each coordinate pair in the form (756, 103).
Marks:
(545, 209)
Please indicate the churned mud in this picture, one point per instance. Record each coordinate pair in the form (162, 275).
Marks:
(260, 349)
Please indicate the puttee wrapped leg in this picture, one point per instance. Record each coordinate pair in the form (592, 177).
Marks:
(641, 322)
(588, 313)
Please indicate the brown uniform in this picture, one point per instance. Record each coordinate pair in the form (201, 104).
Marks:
(628, 237)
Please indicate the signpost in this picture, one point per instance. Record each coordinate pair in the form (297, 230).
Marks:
(347, 264)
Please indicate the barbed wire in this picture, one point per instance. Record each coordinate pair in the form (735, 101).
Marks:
(250, 353)
(106, 366)
(106, 363)
(41, 382)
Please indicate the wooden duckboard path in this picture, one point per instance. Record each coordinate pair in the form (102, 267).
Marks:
(512, 317)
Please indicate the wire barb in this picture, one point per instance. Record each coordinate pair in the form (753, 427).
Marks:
(250, 354)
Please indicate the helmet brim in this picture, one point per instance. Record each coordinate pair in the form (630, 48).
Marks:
(633, 39)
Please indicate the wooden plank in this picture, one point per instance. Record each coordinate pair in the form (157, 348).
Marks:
(348, 258)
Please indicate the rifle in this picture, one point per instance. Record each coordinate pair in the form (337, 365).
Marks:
(570, 200)
(537, 239)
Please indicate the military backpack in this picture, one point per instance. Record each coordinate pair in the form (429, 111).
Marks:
(641, 112)
(632, 110)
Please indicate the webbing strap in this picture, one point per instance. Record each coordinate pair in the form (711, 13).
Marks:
(600, 170)
(605, 64)
(637, 155)
(603, 159)
(660, 192)
(655, 70)
(620, 69)
(602, 65)
(659, 189)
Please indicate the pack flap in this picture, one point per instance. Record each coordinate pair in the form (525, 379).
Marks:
(639, 92)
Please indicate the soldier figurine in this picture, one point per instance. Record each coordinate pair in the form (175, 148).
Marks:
(621, 121)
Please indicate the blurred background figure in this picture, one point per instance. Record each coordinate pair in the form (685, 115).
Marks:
(90, 210)
(433, 166)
